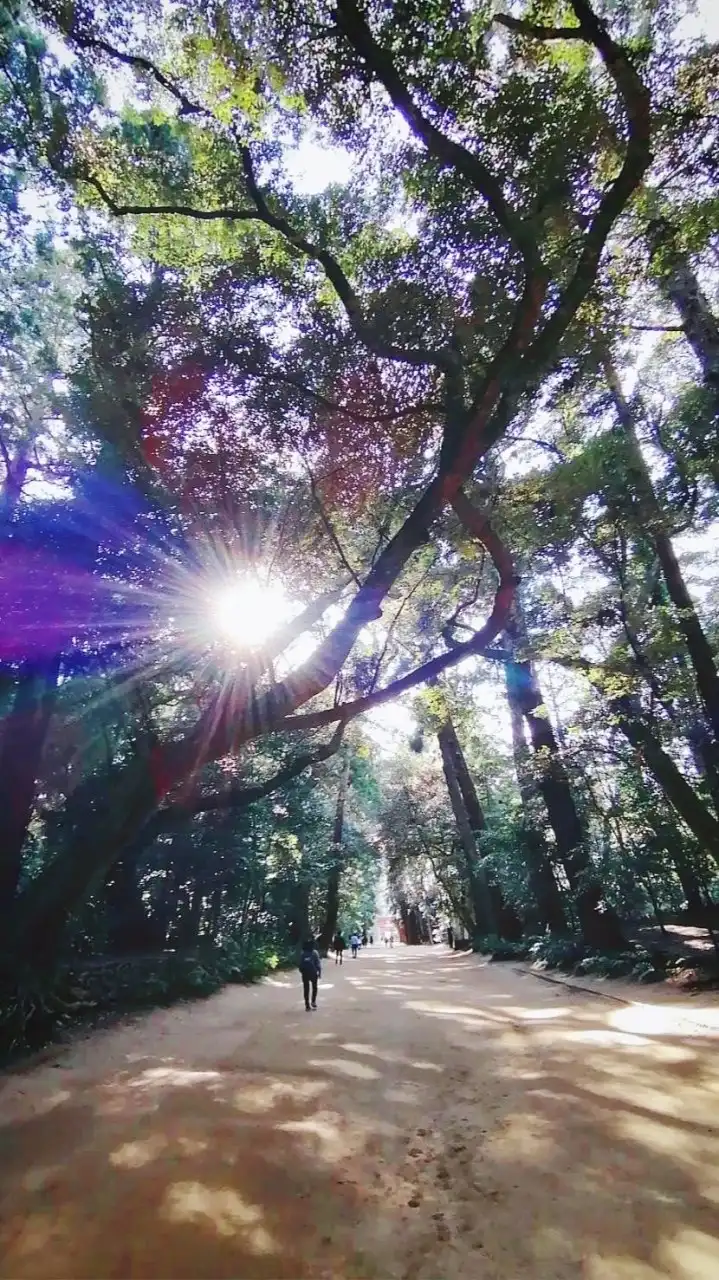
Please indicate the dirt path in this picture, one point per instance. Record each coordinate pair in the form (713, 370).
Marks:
(436, 1119)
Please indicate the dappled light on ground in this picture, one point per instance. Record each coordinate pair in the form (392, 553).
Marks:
(436, 1117)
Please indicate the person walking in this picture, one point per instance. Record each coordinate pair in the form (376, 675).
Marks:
(354, 944)
(365, 939)
(339, 946)
(311, 971)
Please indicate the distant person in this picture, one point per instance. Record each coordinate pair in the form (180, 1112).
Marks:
(386, 940)
(311, 970)
(371, 939)
(391, 939)
(365, 939)
(340, 945)
(450, 937)
(354, 945)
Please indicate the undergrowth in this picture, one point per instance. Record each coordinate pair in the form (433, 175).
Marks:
(571, 956)
(35, 1009)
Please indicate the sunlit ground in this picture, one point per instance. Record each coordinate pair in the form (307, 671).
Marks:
(436, 1117)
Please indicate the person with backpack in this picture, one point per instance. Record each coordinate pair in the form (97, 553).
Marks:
(339, 945)
(311, 971)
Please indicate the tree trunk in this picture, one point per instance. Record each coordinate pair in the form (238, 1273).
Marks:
(413, 927)
(21, 749)
(599, 924)
(41, 912)
(701, 654)
(332, 904)
(542, 882)
(508, 922)
(681, 796)
(691, 888)
(679, 284)
(129, 930)
(477, 880)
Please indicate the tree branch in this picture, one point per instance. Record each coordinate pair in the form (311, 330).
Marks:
(353, 24)
(479, 527)
(228, 214)
(263, 213)
(637, 158)
(538, 32)
(330, 529)
(238, 797)
(138, 62)
(337, 278)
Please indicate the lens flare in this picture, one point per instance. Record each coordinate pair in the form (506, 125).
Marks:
(246, 613)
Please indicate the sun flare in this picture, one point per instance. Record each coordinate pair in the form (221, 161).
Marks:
(246, 613)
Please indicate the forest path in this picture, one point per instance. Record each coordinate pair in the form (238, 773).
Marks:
(436, 1119)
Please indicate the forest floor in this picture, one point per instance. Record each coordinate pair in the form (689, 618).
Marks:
(439, 1118)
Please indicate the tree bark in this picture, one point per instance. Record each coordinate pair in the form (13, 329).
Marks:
(332, 904)
(599, 924)
(681, 796)
(543, 884)
(680, 286)
(21, 749)
(482, 906)
(701, 654)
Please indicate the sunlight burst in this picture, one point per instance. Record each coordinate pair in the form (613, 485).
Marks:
(246, 613)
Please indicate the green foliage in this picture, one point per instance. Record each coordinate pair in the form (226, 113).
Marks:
(572, 957)
(500, 949)
(34, 1012)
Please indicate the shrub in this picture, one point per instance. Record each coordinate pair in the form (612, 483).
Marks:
(35, 1009)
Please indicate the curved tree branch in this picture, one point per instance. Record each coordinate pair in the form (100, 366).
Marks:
(536, 31)
(478, 525)
(238, 797)
(353, 24)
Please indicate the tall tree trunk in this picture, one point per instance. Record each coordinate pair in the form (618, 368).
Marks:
(508, 922)
(477, 879)
(701, 654)
(691, 888)
(542, 882)
(599, 924)
(42, 910)
(681, 796)
(23, 741)
(188, 925)
(332, 903)
(679, 283)
(128, 926)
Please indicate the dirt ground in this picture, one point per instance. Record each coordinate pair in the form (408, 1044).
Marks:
(437, 1119)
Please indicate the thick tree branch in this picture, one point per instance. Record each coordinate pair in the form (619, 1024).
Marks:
(353, 24)
(240, 797)
(478, 525)
(538, 32)
(225, 214)
(637, 158)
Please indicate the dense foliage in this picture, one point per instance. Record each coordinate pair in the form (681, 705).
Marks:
(353, 354)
